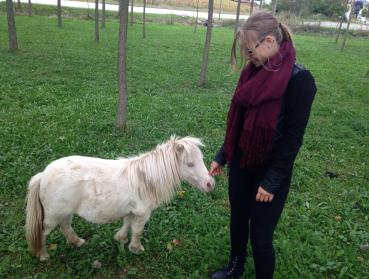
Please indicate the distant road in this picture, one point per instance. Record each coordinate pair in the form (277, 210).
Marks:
(202, 15)
(113, 7)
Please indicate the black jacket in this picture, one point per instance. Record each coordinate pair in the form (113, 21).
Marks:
(292, 121)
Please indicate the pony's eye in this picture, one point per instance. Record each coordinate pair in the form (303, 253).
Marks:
(190, 165)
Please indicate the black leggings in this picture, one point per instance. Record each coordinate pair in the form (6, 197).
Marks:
(257, 219)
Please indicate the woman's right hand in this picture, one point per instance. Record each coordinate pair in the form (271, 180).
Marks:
(215, 169)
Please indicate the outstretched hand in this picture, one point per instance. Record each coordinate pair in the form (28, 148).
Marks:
(263, 196)
(215, 169)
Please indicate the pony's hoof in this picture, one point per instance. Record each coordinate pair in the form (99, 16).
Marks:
(77, 243)
(44, 258)
(136, 250)
(122, 239)
(80, 242)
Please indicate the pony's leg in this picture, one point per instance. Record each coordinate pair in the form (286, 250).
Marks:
(122, 234)
(69, 233)
(137, 226)
(48, 227)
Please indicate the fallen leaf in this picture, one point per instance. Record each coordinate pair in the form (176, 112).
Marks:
(176, 242)
(181, 193)
(96, 264)
(53, 246)
(338, 218)
(169, 247)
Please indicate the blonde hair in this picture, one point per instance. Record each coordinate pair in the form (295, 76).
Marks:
(258, 26)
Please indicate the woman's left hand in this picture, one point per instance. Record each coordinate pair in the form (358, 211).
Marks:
(263, 196)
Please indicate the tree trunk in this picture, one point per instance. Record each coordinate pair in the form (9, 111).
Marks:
(132, 19)
(340, 26)
(19, 7)
(197, 15)
(122, 81)
(144, 20)
(275, 7)
(251, 7)
(204, 66)
(13, 45)
(103, 18)
(97, 35)
(347, 31)
(220, 9)
(88, 10)
(29, 8)
(367, 74)
(261, 4)
(59, 14)
(339, 30)
(237, 16)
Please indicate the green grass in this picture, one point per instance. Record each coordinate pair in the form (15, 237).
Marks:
(59, 97)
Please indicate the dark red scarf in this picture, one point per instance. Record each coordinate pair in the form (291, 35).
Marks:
(255, 107)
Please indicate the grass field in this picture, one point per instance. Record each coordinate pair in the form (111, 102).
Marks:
(58, 96)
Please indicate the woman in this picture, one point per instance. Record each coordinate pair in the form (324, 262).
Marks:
(266, 122)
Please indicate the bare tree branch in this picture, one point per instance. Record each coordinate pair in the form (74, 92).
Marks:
(122, 81)
(13, 44)
(97, 35)
(132, 19)
(59, 14)
(144, 20)
(205, 58)
(103, 18)
(29, 8)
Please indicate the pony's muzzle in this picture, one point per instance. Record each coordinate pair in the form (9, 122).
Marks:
(210, 184)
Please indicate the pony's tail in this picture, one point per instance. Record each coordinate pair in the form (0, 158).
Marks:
(34, 213)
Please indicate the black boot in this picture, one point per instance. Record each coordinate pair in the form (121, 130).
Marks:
(233, 271)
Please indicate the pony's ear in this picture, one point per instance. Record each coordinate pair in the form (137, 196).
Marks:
(179, 148)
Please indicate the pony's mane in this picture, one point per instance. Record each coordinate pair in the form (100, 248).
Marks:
(155, 175)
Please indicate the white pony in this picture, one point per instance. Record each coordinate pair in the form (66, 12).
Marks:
(102, 191)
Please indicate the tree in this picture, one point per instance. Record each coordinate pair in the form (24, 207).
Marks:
(329, 8)
(204, 66)
(97, 35)
(220, 9)
(59, 14)
(339, 28)
(341, 22)
(251, 7)
(237, 16)
(132, 19)
(122, 81)
(144, 20)
(29, 8)
(261, 4)
(197, 15)
(347, 30)
(19, 5)
(13, 44)
(103, 18)
(275, 6)
(365, 11)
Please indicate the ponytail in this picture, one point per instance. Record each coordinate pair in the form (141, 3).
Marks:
(234, 52)
(286, 33)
